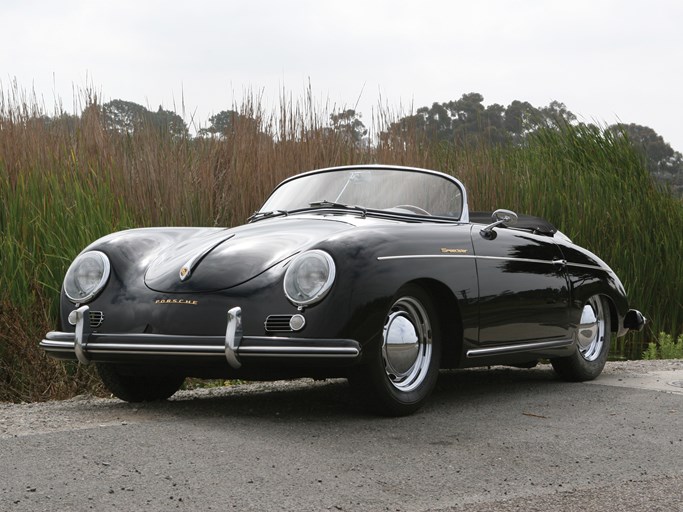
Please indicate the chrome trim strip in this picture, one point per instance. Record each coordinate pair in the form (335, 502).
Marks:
(57, 345)
(584, 265)
(500, 258)
(160, 353)
(523, 260)
(264, 351)
(136, 348)
(181, 349)
(417, 256)
(518, 347)
(206, 350)
(233, 337)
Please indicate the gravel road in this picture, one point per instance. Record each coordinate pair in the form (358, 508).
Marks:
(493, 439)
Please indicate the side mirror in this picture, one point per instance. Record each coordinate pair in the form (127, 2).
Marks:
(501, 217)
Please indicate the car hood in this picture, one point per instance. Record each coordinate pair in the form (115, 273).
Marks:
(211, 260)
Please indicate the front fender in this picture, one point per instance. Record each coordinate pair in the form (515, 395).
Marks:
(588, 276)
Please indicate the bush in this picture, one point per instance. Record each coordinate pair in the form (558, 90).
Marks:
(665, 348)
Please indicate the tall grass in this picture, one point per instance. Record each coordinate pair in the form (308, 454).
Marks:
(66, 182)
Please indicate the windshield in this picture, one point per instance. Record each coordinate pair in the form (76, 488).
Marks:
(396, 190)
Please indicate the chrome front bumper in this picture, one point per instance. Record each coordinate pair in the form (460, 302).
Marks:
(88, 346)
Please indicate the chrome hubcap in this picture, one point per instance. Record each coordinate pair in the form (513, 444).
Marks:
(407, 344)
(590, 335)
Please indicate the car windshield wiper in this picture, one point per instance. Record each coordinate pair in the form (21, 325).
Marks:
(330, 204)
(265, 215)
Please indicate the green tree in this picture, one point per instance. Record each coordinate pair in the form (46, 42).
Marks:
(462, 121)
(169, 121)
(659, 154)
(348, 125)
(467, 113)
(556, 115)
(521, 118)
(436, 121)
(124, 116)
(405, 129)
(227, 122)
(663, 161)
(129, 117)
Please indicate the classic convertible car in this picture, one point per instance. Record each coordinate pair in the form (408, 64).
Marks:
(379, 274)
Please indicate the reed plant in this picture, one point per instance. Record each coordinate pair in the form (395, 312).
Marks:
(66, 181)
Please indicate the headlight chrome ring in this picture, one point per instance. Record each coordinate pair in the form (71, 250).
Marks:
(86, 277)
(309, 277)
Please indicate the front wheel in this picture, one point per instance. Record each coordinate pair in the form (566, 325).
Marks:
(403, 368)
(592, 343)
(135, 385)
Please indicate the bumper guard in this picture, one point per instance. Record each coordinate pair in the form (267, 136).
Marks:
(634, 320)
(88, 346)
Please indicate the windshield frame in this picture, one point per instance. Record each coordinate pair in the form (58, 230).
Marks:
(464, 213)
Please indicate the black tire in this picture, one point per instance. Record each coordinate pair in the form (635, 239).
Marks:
(138, 385)
(399, 377)
(592, 342)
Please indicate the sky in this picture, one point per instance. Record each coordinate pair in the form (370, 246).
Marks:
(608, 61)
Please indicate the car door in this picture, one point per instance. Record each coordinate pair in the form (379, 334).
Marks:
(523, 288)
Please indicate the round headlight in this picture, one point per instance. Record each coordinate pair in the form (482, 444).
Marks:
(309, 277)
(86, 276)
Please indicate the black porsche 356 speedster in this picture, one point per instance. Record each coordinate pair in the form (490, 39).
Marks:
(379, 274)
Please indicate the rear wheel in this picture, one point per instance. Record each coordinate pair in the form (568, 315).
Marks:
(136, 385)
(403, 367)
(592, 343)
